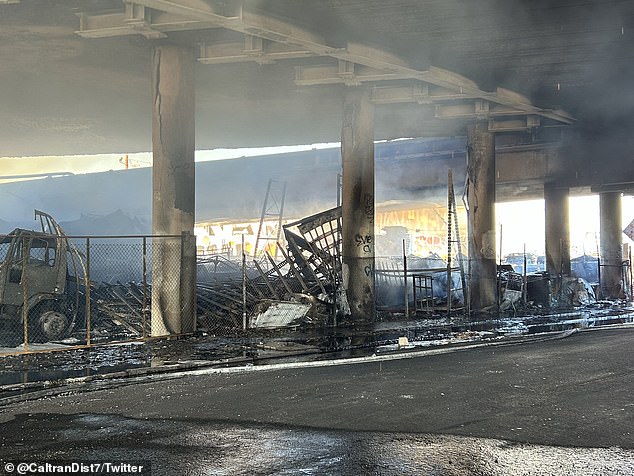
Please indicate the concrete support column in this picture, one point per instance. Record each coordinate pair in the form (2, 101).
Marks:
(481, 215)
(357, 153)
(610, 246)
(557, 230)
(173, 144)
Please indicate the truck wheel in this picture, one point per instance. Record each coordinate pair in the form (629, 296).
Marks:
(52, 325)
(48, 322)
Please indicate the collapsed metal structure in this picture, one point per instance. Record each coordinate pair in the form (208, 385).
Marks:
(304, 287)
(310, 272)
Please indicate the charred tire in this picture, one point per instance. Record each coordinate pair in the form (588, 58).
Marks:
(48, 322)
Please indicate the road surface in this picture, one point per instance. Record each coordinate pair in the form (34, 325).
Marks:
(561, 406)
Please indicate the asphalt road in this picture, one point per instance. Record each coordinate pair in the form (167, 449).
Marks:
(555, 407)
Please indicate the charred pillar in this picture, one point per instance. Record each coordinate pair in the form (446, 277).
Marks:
(557, 228)
(173, 259)
(481, 215)
(610, 247)
(357, 153)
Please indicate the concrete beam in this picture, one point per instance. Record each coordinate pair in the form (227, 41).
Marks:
(625, 187)
(501, 118)
(252, 49)
(518, 124)
(357, 153)
(420, 93)
(226, 15)
(173, 191)
(481, 215)
(234, 17)
(136, 19)
(344, 72)
(521, 164)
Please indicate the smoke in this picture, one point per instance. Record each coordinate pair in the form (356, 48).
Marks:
(236, 189)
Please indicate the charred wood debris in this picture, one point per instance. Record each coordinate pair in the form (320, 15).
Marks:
(302, 286)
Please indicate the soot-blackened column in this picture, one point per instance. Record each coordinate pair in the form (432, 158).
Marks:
(173, 145)
(557, 239)
(481, 215)
(611, 247)
(357, 153)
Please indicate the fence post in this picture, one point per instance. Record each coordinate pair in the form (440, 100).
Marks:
(468, 300)
(600, 288)
(144, 308)
(524, 280)
(405, 293)
(244, 287)
(25, 301)
(188, 282)
(631, 278)
(87, 283)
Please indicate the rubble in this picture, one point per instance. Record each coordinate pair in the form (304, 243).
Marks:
(281, 314)
(304, 289)
(119, 311)
(575, 292)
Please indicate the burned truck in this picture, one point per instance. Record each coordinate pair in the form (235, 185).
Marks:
(40, 278)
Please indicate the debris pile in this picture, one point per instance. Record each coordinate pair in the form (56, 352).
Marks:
(302, 287)
(119, 310)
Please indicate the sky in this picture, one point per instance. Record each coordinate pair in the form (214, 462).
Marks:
(523, 223)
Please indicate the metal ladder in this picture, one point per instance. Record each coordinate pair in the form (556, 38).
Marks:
(453, 237)
(273, 207)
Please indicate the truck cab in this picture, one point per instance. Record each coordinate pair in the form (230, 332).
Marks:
(39, 281)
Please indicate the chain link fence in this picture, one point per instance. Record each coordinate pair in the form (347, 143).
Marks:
(428, 287)
(64, 291)
(61, 291)
(418, 287)
(72, 291)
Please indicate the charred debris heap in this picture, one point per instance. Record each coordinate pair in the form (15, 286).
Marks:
(302, 287)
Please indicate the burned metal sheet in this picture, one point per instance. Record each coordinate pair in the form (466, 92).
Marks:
(281, 314)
